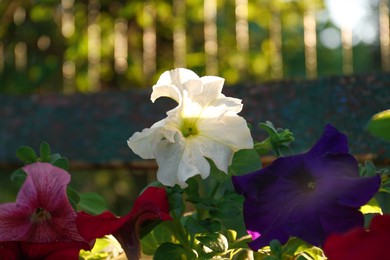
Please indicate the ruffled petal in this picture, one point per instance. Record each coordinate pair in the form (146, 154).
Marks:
(170, 84)
(143, 143)
(219, 153)
(236, 134)
(179, 161)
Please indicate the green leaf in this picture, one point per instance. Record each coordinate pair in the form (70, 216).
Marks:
(193, 226)
(367, 170)
(18, 177)
(211, 225)
(92, 203)
(276, 247)
(45, 152)
(62, 163)
(217, 242)
(176, 203)
(226, 209)
(379, 125)
(245, 161)
(73, 197)
(173, 251)
(54, 157)
(26, 154)
(147, 227)
(279, 140)
(162, 233)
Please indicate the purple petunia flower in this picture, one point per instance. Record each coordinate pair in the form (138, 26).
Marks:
(309, 195)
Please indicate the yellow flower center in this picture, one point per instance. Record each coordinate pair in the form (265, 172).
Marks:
(40, 215)
(188, 127)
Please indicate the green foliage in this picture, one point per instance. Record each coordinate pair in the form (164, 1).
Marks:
(278, 141)
(26, 154)
(207, 215)
(73, 197)
(173, 251)
(92, 203)
(293, 249)
(251, 63)
(379, 125)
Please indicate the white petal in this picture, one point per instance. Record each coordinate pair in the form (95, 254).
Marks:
(205, 90)
(179, 161)
(230, 130)
(170, 84)
(221, 154)
(228, 104)
(143, 143)
(170, 91)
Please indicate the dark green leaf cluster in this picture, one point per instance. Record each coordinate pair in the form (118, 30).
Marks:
(278, 142)
(293, 249)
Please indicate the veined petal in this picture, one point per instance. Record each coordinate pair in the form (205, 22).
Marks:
(42, 212)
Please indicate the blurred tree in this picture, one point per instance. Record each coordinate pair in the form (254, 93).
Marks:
(92, 45)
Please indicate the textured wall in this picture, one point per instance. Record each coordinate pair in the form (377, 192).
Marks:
(93, 128)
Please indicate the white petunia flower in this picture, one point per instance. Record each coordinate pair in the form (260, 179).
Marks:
(204, 125)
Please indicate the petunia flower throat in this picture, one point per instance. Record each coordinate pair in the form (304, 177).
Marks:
(40, 215)
(188, 127)
(204, 125)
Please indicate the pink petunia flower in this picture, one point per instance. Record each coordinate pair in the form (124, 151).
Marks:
(41, 222)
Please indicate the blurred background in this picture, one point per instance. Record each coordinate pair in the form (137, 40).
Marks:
(87, 47)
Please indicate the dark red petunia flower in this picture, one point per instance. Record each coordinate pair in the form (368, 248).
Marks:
(361, 244)
(151, 205)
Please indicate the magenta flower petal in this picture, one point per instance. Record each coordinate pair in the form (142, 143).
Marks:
(151, 205)
(42, 212)
(310, 195)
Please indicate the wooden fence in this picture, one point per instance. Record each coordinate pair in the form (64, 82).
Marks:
(104, 44)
